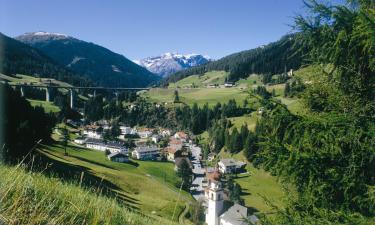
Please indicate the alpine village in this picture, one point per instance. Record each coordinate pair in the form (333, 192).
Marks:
(280, 134)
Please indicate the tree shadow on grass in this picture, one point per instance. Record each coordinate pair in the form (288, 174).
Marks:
(92, 182)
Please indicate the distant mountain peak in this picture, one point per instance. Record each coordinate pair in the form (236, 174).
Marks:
(171, 62)
(43, 33)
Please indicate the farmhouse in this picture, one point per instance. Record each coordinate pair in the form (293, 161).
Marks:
(118, 157)
(230, 165)
(146, 153)
(229, 84)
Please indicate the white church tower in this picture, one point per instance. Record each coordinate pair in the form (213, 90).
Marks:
(214, 195)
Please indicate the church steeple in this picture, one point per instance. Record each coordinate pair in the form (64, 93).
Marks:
(214, 195)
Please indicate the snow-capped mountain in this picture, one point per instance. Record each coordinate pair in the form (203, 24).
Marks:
(169, 63)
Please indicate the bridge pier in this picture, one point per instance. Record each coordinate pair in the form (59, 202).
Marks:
(71, 98)
(116, 93)
(94, 93)
(22, 92)
(48, 94)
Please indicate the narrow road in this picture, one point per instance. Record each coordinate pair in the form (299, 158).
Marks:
(197, 188)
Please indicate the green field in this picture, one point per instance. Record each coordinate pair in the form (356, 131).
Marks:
(47, 106)
(198, 95)
(144, 185)
(212, 77)
(250, 120)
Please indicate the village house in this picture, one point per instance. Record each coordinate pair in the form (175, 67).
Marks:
(127, 130)
(172, 153)
(155, 138)
(165, 132)
(118, 157)
(116, 146)
(146, 153)
(145, 133)
(175, 143)
(112, 146)
(181, 136)
(229, 84)
(93, 131)
(230, 165)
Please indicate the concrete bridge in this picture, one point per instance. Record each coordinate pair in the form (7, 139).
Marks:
(71, 89)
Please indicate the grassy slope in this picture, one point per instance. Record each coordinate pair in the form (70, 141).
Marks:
(212, 77)
(31, 198)
(47, 106)
(150, 186)
(20, 79)
(198, 95)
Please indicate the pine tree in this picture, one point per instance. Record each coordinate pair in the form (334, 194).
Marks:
(176, 97)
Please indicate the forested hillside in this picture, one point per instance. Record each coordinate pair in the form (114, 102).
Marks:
(273, 58)
(101, 65)
(18, 58)
(328, 152)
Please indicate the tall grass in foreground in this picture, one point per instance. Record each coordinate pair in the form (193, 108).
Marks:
(31, 198)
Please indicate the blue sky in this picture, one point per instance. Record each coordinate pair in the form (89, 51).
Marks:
(142, 28)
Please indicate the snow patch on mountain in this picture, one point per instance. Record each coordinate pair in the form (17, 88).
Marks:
(75, 60)
(169, 63)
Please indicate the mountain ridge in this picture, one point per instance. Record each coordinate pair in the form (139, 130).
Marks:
(100, 64)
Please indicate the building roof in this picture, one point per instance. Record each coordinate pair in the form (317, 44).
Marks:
(115, 144)
(236, 215)
(94, 141)
(213, 175)
(81, 138)
(171, 150)
(174, 141)
(182, 134)
(116, 154)
(146, 149)
(232, 162)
